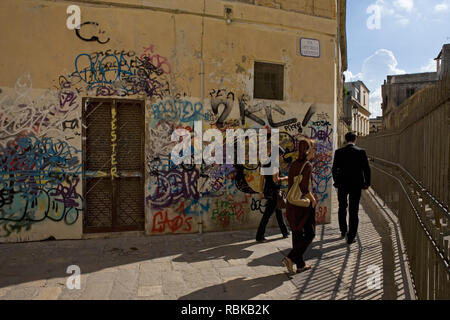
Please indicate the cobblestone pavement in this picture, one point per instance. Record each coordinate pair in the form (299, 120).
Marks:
(228, 265)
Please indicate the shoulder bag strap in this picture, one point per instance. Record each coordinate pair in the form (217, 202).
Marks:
(301, 171)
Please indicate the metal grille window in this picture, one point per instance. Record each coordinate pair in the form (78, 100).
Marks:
(268, 81)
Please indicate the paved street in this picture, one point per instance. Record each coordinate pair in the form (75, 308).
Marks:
(227, 265)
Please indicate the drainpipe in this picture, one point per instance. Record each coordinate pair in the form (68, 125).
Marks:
(338, 73)
(202, 87)
(202, 98)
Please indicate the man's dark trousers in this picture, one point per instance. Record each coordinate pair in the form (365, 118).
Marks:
(354, 195)
(351, 174)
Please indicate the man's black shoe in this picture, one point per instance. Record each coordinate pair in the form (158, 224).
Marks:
(349, 240)
(261, 240)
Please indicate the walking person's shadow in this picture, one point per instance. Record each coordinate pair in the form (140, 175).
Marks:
(238, 289)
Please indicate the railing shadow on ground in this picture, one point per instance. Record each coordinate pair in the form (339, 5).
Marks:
(395, 262)
(339, 276)
(339, 271)
(342, 269)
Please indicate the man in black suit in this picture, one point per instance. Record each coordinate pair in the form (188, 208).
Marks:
(351, 174)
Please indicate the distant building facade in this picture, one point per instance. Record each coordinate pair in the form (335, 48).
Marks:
(443, 61)
(399, 88)
(356, 107)
(376, 125)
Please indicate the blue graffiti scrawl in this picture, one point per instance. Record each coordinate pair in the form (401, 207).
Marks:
(173, 185)
(114, 73)
(177, 110)
(322, 133)
(38, 181)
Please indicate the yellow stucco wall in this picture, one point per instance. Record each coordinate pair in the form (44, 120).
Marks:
(42, 91)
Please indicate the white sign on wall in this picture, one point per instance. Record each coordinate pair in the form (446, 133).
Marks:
(310, 47)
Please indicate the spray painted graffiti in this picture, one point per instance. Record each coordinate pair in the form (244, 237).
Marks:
(121, 73)
(174, 185)
(38, 181)
(93, 30)
(115, 52)
(159, 164)
(113, 143)
(294, 127)
(227, 209)
(70, 124)
(227, 105)
(321, 214)
(160, 143)
(30, 158)
(177, 110)
(101, 70)
(222, 93)
(221, 98)
(18, 210)
(247, 111)
(214, 178)
(23, 115)
(161, 221)
(155, 59)
(258, 205)
(322, 133)
(180, 222)
(40, 175)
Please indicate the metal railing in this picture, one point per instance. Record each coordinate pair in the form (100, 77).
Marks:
(420, 139)
(410, 168)
(424, 224)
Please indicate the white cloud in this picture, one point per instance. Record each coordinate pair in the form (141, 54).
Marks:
(406, 5)
(374, 71)
(375, 101)
(430, 67)
(399, 10)
(383, 62)
(350, 77)
(402, 19)
(441, 7)
(385, 8)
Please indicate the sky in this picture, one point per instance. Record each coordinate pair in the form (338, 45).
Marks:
(388, 37)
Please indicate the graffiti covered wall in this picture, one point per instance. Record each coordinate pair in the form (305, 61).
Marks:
(186, 68)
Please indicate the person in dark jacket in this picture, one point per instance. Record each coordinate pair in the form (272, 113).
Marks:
(302, 221)
(351, 174)
(271, 185)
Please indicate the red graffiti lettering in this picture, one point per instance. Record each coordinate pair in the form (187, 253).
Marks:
(321, 214)
(161, 221)
(158, 61)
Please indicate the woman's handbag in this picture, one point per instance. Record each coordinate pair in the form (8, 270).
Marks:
(281, 199)
(294, 195)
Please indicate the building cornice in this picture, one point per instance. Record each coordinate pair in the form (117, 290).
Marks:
(361, 108)
(214, 9)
